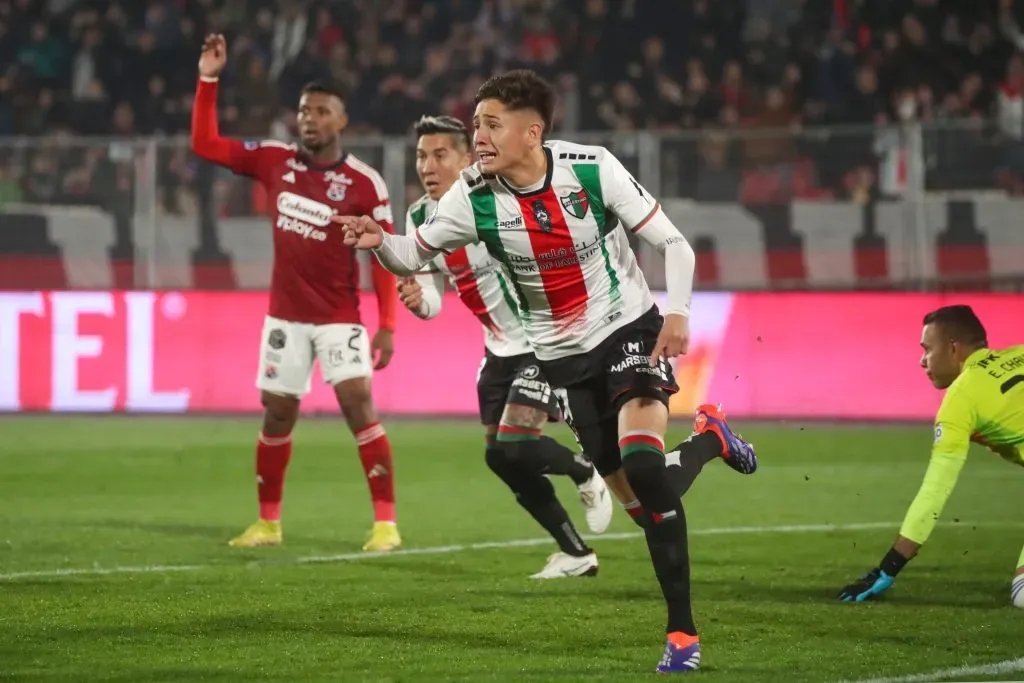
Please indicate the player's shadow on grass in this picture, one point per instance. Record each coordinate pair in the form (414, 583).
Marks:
(219, 531)
(969, 595)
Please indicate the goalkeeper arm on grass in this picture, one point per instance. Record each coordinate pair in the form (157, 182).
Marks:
(954, 425)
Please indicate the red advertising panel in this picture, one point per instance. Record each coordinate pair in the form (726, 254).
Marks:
(761, 355)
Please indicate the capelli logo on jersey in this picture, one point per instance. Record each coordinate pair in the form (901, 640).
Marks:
(516, 222)
(303, 209)
(296, 165)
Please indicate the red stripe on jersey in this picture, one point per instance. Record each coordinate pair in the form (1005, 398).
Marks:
(553, 248)
(467, 286)
(423, 243)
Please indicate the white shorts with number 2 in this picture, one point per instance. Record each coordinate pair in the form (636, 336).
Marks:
(287, 352)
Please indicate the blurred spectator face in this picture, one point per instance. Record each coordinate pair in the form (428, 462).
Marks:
(323, 18)
(265, 19)
(925, 95)
(45, 99)
(654, 50)
(597, 8)
(95, 91)
(698, 83)
(437, 61)
(867, 81)
(503, 137)
(387, 55)
(891, 41)
(774, 99)
(124, 118)
(625, 95)
(971, 86)
(257, 71)
(39, 32)
(729, 116)
(732, 73)
(913, 31)
(321, 119)
(792, 75)
(439, 158)
(157, 87)
(147, 41)
(91, 39)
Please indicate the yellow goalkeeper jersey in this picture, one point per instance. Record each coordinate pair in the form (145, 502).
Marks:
(985, 404)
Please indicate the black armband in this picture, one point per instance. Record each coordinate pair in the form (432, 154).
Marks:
(893, 562)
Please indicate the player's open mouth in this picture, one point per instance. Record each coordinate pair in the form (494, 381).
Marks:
(430, 184)
(486, 157)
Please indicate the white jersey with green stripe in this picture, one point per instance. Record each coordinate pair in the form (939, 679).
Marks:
(572, 272)
(477, 279)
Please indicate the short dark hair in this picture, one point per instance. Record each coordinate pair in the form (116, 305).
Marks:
(321, 88)
(960, 323)
(447, 125)
(521, 89)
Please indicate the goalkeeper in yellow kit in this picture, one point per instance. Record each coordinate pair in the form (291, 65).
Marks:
(984, 403)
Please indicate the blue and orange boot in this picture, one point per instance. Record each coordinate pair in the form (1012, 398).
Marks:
(682, 654)
(737, 453)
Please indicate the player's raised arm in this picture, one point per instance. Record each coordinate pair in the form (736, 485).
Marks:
(449, 228)
(642, 215)
(207, 143)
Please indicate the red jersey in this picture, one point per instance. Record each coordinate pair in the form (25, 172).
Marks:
(316, 277)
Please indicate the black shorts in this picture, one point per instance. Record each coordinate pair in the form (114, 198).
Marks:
(592, 387)
(512, 379)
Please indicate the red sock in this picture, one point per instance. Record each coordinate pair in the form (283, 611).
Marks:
(375, 453)
(272, 456)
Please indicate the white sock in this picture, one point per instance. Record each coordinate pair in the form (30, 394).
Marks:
(1017, 591)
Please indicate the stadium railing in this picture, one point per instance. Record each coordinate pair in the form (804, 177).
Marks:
(912, 207)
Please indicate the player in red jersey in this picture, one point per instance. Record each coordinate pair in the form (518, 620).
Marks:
(314, 291)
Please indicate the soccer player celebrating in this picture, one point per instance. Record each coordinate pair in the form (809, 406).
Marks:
(314, 291)
(511, 390)
(549, 213)
(984, 403)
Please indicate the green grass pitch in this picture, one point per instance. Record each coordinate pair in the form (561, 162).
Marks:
(156, 500)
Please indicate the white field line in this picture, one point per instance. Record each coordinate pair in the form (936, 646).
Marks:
(1008, 666)
(447, 549)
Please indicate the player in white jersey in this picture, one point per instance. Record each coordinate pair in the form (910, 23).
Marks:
(550, 213)
(510, 387)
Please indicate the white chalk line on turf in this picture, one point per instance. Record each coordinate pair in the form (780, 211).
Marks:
(450, 549)
(1008, 666)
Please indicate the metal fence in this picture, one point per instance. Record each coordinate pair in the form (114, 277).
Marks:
(917, 206)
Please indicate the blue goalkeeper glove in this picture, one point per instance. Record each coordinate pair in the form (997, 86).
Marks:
(872, 584)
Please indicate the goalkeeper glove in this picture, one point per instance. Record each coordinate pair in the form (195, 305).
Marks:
(875, 582)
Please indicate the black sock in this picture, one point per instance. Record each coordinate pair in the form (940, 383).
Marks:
(554, 458)
(535, 493)
(694, 453)
(665, 533)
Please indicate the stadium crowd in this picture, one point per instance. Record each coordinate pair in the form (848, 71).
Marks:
(731, 68)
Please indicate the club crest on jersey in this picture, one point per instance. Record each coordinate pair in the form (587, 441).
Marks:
(336, 192)
(542, 216)
(576, 203)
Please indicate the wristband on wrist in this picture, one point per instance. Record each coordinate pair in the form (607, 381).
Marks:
(892, 563)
